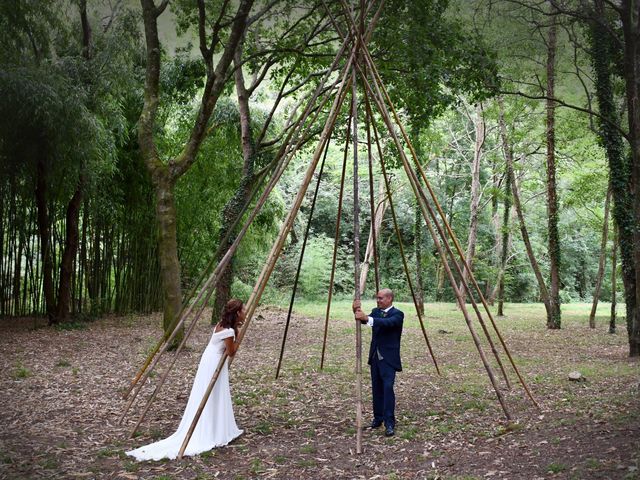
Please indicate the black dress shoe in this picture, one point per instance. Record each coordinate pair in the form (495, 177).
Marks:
(388, 432)
(375, 424)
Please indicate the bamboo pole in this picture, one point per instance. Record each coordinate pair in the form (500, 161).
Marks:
(302, 251)
(356, 261)
(276, 249)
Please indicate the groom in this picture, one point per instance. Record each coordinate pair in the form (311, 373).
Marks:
(384, 356)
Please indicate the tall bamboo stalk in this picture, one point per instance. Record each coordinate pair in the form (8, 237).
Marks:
(356, 260)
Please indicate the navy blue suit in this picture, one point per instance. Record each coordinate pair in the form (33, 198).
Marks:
(384, 359)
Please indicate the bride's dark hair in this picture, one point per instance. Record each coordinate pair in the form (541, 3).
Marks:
(230, 314)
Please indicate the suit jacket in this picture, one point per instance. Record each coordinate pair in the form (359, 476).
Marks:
(385, 337)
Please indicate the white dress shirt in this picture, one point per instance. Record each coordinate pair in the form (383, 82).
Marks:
(386, 310)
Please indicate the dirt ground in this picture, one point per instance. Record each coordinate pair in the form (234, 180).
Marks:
(61, 394)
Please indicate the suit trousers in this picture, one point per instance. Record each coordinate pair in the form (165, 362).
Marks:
(383, 377)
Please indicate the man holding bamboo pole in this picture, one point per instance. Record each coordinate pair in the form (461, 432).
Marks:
(384, 356)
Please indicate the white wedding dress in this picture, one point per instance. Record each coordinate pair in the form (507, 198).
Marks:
(217, 424)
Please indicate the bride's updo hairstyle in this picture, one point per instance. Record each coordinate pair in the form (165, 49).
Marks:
(230, 314)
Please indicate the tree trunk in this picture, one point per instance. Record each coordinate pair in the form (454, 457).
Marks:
(602, 262)
(44, 231)
(71, 241)
(168, 251)
(165, 175)
(508, 155)
(630, 26)
(419, 291)
(619, 165)
(492, 290)
(233, 208)
(553, 316)
(480, 130)
(506, 232)
(614, 286)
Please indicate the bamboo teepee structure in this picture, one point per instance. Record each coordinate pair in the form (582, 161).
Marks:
(359, 81)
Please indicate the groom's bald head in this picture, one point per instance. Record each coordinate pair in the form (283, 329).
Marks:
(384, 298)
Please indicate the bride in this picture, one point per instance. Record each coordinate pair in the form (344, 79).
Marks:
(217, 425)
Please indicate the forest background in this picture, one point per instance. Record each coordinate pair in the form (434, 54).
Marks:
(133, 140)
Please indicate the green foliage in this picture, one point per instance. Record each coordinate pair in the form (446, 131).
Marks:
(427, 57)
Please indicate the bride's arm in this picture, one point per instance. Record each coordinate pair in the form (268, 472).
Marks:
(231, 346)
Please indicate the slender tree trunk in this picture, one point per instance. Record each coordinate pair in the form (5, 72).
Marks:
(614, 283)
(619, 165)
(480, 134)
(602, 262)
(554, 316)
(165, 175)
(418, 251)
(492, 290)
(508, 155)
(630, 15)
(506, 233)
(233, 208)
(44, 231)
(69, 254)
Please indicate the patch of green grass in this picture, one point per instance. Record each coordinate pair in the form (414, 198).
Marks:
(131, 466)
(263, 428)
(593, 463)
(75, 371)
(256, 467)
(163, 477)
(49, 463)
(5, 458)
(63, 362)
(479, 405)
(312, 433)
(280, 459)
(306, 463)
(508, 428)
(556, 467)
(20, 372)
(409, 433)
(72, 325)
(208, 454)
(393, 476)
(155, 433)
(308, 449)
(107, 452)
